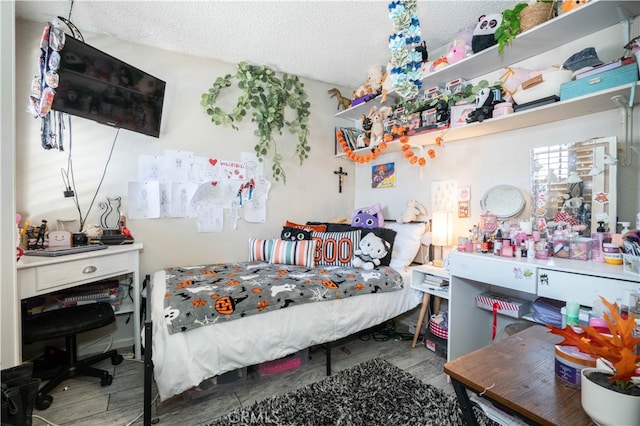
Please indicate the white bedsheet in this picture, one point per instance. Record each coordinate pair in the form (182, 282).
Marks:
(183, 360)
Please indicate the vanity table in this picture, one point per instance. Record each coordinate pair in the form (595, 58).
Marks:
(470, 327)
(39, 276)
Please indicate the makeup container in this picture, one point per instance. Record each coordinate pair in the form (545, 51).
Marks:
(612, 254)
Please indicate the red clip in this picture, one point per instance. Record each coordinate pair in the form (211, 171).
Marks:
(494, 326)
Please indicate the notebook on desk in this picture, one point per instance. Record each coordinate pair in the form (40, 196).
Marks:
(62, 251)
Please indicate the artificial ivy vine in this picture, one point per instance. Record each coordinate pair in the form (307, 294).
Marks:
(268, 96)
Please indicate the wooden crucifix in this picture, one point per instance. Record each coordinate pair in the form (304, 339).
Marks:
(341, 174)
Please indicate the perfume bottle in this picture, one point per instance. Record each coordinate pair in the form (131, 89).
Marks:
(599, 237)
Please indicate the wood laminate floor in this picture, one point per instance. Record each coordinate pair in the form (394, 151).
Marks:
(82, 401)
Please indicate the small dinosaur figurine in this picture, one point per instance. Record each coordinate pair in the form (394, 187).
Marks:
(342, 101)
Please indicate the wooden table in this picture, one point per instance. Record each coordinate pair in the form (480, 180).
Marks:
(517, 374)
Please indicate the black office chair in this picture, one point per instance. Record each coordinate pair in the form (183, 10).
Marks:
(68, 323)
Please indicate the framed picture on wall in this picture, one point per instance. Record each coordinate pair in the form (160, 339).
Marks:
(463, 209)
(383, 175)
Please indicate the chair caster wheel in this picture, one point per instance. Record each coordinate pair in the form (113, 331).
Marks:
(44, 402)
(116, 360)
(107, 380)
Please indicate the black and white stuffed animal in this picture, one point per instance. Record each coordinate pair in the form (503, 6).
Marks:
(371, 249)
(483, 33)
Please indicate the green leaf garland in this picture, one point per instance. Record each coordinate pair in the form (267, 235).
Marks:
(267, 97)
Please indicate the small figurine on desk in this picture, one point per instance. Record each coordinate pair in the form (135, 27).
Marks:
(39, 243)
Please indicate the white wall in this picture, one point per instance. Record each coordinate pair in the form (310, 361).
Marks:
(483, 162)
(311, 192)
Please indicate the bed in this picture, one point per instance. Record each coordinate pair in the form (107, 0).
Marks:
(189, 349)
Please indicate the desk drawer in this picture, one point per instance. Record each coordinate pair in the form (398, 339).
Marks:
(48, 277)
(516, 275)
(583, 289)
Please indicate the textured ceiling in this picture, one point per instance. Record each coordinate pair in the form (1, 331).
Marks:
(330, 41)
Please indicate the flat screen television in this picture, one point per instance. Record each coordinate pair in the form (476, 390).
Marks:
(97, 86)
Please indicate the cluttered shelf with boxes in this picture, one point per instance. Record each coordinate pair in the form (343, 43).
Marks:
(457, 110)
(433, 283)
(116, 292)
(587, 19)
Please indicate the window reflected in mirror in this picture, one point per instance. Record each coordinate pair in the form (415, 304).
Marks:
(574, 185)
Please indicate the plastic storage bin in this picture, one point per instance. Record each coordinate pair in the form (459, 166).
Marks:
(631, 263)
(605, 80)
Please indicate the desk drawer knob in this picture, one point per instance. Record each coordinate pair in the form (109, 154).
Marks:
(89, 269)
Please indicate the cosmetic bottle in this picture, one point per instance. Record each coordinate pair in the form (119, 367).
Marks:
(469, 244)
(599, 237)
(497, 244)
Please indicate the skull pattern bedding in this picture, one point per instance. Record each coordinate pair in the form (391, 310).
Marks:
(201, 295)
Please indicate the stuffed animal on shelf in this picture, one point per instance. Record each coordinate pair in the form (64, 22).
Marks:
(373, 83)
(569, 5)
(439, 63)
(412, 212)
(387, 82)
(370, 250)
(458, 51)
(422, 48)
(483, 33)
(377, 116)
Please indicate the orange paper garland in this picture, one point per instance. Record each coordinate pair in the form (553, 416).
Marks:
(411, 157)
(357, 157)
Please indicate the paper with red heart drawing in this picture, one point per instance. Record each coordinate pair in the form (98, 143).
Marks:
(230, 169)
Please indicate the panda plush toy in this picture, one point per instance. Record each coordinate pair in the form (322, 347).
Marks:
(483, 33)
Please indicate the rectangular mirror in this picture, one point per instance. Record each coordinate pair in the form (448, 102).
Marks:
(575, 184)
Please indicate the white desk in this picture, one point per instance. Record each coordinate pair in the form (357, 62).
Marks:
(38, 276)
(418, 274)
(556, 278)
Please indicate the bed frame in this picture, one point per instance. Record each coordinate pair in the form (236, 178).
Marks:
(148, 357)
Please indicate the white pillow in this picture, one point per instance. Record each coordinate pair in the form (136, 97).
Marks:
(406, 244)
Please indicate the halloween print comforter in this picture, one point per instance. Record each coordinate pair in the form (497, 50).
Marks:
(202, 295)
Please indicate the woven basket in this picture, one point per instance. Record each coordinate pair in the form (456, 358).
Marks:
(535, 14)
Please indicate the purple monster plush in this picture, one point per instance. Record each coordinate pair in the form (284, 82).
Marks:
(368, 217)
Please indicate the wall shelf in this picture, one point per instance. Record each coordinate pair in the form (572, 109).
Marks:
(585, 20)
(572, 108)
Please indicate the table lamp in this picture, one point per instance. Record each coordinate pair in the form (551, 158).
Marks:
(442, 234)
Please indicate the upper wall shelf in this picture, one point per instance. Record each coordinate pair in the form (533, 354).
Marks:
(587, 19)
(572, 108)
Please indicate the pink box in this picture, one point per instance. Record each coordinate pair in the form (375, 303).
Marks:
(506, 250)
(459, 114)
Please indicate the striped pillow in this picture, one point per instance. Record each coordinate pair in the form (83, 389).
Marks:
(260, 250)
(335, 248)
(293, 253)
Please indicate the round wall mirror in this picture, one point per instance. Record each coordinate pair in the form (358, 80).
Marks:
(503, 200)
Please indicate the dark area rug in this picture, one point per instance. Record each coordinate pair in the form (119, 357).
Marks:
(372, 393)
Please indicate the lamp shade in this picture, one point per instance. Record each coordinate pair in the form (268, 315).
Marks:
(442, 228)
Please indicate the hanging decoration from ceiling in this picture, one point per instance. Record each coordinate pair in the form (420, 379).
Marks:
(405, 59)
